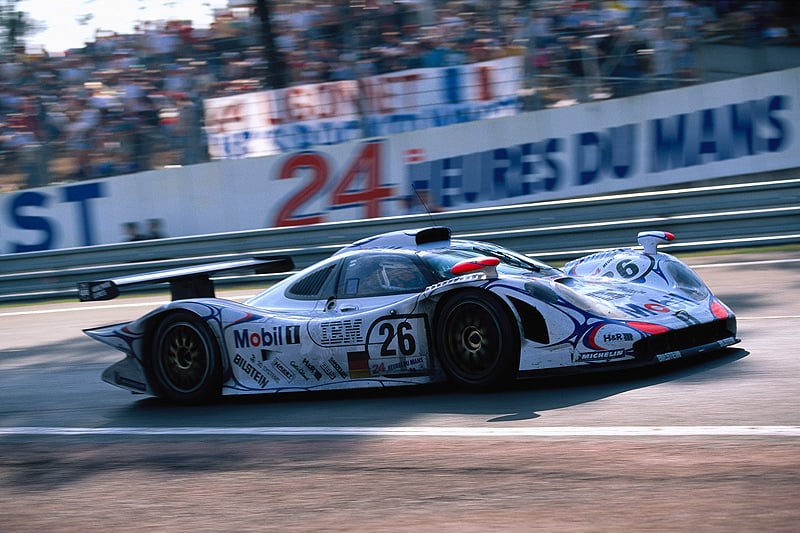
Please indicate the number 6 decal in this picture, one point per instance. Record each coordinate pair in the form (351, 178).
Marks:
(635, 268)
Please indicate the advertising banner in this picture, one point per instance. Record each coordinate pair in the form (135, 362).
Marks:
(299, 117)
(743, 126)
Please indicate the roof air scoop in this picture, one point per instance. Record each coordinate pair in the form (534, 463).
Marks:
(409, 239)
(433, 234)
(650, 240)
(485, 264)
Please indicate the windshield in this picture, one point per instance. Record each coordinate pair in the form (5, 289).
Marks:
(512, 263)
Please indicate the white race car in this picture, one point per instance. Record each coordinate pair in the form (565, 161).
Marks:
(413, 307)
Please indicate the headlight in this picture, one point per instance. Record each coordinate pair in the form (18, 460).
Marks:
(685, 280)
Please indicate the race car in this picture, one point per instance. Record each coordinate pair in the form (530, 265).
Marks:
(408, 308)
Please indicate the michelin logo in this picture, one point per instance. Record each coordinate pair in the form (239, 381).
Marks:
(598, 356)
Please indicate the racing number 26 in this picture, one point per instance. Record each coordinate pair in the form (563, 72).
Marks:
(404, 336)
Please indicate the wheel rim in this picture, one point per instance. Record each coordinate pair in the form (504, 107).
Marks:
(473, 340)
(184, 358)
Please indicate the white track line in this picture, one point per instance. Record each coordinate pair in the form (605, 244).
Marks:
(58, 310)
(770, 317)
(412, 431)
(747, 263)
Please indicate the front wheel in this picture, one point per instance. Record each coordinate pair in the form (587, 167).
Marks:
(185, 362)
(477, 340)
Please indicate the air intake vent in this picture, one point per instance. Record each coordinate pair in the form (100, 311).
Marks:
(433, 234)
(685, 338)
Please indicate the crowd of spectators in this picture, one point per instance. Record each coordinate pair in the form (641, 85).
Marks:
(127, 103)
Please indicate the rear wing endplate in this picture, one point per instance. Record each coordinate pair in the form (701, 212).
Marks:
(184, 282)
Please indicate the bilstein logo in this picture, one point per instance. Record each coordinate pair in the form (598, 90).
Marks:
(250, 370)
(278, 336)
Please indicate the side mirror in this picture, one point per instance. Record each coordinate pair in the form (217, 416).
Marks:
(651, 239)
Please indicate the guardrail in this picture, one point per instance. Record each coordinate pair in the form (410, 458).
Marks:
(718, 216)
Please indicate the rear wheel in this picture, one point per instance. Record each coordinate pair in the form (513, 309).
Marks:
(478, 343)
(185, 361)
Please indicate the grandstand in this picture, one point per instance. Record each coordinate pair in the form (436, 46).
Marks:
(131, 103)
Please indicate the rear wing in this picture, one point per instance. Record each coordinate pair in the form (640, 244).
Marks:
(184, 282)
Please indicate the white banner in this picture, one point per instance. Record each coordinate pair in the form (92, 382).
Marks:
(300, 117)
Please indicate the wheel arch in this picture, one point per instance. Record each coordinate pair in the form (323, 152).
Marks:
(505, 303)
(151, 322)
(502, 304)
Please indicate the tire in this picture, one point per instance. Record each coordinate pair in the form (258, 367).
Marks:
(185, 361)
(478, 343)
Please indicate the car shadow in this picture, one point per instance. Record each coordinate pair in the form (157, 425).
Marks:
(522, 400)
(568, 391)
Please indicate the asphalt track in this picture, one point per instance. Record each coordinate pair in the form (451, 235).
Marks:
(710, 445)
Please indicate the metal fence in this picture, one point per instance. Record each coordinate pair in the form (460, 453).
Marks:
(703, 218)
